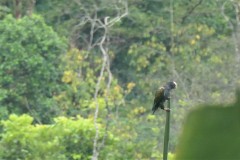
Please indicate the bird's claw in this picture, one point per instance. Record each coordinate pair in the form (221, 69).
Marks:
(167, 109)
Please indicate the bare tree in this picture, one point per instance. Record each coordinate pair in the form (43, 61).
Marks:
(100, 25)
(105, 67)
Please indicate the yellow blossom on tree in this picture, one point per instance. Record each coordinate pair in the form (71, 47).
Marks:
(139, 110)
(199, 29)
(130, 86)
(192, 42)
(79, 58)
(67, 77)
(151, 117)
(117, 88)
(198, 37)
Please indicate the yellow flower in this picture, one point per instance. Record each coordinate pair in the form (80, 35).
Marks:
(199, 29)
(117, 88)
(151, 117)
(79, 58)
(130, 85)
(192, 42)
(198, 37)
(139, 110)
(67, 76)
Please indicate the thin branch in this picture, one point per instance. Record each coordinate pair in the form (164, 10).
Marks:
(107, 95)
(31, 111)
(231, 25)
(190, 11)
(92, 32)
(118, 18)
(172, 23)
(95, 150)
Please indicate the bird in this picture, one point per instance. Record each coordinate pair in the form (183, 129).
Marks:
(163, 94)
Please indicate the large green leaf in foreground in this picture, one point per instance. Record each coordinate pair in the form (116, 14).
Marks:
(211, 133)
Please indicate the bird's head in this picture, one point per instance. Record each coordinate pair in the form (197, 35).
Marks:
(172, 85)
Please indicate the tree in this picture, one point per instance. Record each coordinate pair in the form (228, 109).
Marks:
(30, 73)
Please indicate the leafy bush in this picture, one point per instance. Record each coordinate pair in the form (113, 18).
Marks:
(67, 138)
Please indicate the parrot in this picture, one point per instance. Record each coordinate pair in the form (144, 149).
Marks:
(163, 94)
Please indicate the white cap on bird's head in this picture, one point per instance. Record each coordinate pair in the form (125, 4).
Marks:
(172, 85)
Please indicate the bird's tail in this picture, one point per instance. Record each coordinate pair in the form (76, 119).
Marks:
(153, 111)
(154, 108)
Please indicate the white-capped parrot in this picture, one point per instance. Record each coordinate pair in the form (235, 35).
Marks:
(163, 94)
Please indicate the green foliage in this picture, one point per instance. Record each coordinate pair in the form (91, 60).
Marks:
(67, 138)
(148, 47)
(3, 11)
(80, 70)
(211, 132)
(18, 8)
(29, 66)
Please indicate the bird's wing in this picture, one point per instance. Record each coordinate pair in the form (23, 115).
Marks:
(159, 99)
(159, 95)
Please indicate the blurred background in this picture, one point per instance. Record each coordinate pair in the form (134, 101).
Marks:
(78, 77)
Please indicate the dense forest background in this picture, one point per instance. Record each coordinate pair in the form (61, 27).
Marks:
(78, 77)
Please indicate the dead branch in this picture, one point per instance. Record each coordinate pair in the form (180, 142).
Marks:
(93, 41)
(190, 11)
(105, 67)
